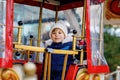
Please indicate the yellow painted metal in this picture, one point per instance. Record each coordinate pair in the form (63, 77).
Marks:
(49, 65)
(79, 36)
(83, 32)
(74, 43)
(101, 37)
(45, 66)
(30, 48)
(56, 15)
(29, 52)
(81, 57)
(39, 31)
(19, 34)
(83, 20)
(65, 52)
(40, 49)
(31, 41)
(64, 67)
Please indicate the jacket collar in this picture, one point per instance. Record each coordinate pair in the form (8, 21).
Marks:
(49, 42)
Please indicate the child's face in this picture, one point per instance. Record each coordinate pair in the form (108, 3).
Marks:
(57, 35)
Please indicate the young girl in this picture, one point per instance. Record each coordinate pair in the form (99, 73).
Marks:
(59, 40)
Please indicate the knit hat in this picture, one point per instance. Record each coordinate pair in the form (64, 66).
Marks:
(61, 25)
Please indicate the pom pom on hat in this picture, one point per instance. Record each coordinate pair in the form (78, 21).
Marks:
(61, 25)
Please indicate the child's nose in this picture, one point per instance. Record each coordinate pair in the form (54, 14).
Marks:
(56, 34)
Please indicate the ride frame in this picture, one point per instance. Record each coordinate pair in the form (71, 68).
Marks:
(48, 52)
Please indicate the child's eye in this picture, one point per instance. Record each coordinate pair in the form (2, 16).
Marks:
(59, 32)
(53, 32)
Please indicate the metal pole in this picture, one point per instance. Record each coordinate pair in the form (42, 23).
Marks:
(101, 36)
(56, 15)
(83, 32)
(19, 31)
(45, 66)
(64, 66)
(39, 31)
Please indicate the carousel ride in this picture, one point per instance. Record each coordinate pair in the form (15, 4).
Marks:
(96, 65)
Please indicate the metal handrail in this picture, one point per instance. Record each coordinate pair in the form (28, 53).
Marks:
(114, 73)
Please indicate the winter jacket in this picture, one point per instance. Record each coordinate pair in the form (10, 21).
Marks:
(57, 60)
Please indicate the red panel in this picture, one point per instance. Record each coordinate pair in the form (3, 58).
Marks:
(72, 71)
(39, 70)
(9, 32)
(53, 7)
(71, 5)
(92, 68)
(114, 6)
(20, 61)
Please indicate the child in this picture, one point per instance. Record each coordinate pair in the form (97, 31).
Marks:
(59, 40)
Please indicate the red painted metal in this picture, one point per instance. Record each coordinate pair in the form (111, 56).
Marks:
(72, 71)
(6, 62)
(91, 67)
